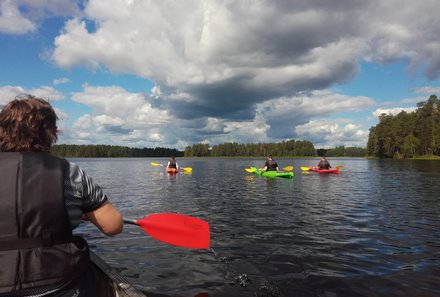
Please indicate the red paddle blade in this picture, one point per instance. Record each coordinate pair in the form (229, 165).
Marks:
(176, 229)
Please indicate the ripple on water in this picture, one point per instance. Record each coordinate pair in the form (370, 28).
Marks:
(370, 231)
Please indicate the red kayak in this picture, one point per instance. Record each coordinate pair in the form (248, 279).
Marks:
(171, 170)
(316, 169)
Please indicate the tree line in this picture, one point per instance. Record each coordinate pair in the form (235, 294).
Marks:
(290, 148)
(342, 151)
(110, 151)
(407, 134)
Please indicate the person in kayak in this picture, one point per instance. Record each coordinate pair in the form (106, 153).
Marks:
(43, 199)
(323, 163)
(172, 164)
(271, 164)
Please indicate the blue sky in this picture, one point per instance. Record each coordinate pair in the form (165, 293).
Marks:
(173, 73)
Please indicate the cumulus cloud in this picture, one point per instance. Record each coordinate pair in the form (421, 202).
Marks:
(329, 134)
(284, 114)
(23, 16)
(393, 111)
(118, 115)
(227, 65)
(246, 71)
(12, 21)
(206, 51)
(8, 93)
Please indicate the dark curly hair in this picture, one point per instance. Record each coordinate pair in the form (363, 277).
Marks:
(27, 123)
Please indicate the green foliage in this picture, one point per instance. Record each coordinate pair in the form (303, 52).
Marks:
(197, 150)
(407, 135)
(232, 149)
(290, 148)
(342, 151)
(103, 151)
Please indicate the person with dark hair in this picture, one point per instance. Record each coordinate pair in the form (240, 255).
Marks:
(271, 164)
(43, 199)
(323, 163)
(172, 165)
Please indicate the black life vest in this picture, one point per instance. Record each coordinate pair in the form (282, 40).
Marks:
(271, 165)
(324, 164)
(36, 243)
(172, 164)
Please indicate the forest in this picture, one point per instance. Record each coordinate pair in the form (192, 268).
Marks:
(290, 148)
(110, 151)
(407, 134)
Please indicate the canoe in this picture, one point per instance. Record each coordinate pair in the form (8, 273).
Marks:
(274, 174)
(110, 283)
(315, 169)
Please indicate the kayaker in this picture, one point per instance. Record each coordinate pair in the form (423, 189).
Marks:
(43, 199)
(271, 164)
(323, 163)
(173, 164)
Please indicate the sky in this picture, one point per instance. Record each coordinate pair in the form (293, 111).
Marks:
(173, 73)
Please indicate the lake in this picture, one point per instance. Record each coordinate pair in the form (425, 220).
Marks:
(372, 230)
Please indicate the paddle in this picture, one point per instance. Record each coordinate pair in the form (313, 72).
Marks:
(189, 169)
(288, 168)
(253, 169)
(303, 168)
(176, 229)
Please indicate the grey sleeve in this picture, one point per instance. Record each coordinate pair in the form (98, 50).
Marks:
(81, 193)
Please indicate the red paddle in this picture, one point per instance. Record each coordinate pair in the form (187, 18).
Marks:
(176, 229)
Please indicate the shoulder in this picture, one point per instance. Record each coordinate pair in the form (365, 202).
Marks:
(73, 170)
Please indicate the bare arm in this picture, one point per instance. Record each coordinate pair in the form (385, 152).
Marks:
(107, 218)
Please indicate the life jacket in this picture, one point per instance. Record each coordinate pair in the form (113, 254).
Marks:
(37, 248)
(271, 165)
(172, 164)
(324, 164)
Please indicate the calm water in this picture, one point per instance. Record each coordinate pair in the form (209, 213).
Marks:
(373, 230)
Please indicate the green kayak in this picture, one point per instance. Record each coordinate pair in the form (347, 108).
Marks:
(273, 174)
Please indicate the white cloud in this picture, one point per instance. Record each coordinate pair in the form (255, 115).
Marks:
(62, 80)
(193, 42)
(243, 71)
(105, 120)
(12, 20)
(156, 137)
(393, 111)
(331, 133)
(156, 92)
(221, 64)
(116, 101)
(119, 116)
(427, 90)
(413, 100)
(48, 93)
(23, 16)
(8, 93)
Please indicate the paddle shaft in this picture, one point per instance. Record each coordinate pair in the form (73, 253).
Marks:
(184, 168)
(131, 222)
